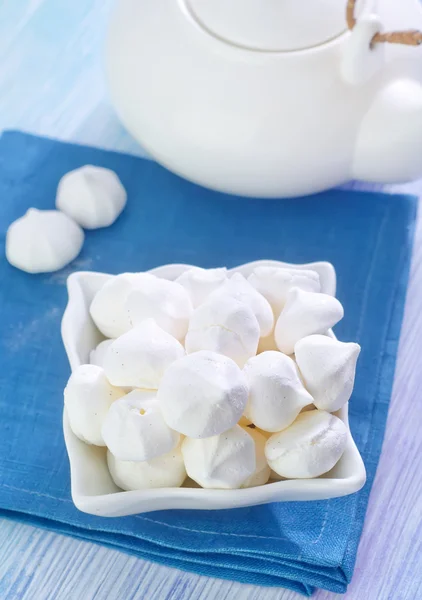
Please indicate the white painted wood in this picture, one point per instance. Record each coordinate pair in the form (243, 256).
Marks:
(51, 83)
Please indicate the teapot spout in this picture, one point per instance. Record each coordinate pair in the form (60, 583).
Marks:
(389, 142)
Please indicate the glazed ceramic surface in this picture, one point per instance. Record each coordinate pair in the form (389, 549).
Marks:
(93, 490)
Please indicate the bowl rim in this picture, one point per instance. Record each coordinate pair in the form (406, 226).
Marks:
(277, 491)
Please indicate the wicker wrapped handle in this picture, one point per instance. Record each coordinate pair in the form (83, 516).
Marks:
(411, 37)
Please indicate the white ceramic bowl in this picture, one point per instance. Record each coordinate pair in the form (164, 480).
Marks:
(93, 490)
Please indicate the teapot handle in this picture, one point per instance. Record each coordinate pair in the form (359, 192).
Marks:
(362, 59)
(366, 49)
(409, 37)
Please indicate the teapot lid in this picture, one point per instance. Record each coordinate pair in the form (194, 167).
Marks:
(272, 25)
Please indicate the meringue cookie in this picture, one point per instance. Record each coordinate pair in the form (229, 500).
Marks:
(226, 326)
(87, 397)
(161, 472)
(92, 196)
(134, 428)
(328, 369)
(274, 283)
(203, 394)
(108, 308)
(240, 289)
(305, 313)
(97, 356)
(262, 470)
(308, 448)
(200, 283)
(276, 393)
(43, 241)
(167, 302)
(223, 461)
(140, 357)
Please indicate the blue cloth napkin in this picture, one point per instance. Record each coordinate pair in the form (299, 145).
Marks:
(368, 239)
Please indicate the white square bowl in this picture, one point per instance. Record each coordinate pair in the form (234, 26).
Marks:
(93, 490)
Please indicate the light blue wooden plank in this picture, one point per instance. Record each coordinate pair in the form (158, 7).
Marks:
(51, 80)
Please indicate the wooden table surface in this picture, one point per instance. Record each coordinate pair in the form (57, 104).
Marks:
(51, 83)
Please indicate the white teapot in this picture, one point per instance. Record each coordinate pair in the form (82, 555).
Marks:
(270, 98)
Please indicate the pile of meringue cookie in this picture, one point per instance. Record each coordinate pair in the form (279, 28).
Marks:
(214, 379)
(43, 241)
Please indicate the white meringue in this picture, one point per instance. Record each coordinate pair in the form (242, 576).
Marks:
(167, 302)
(262, 470)
(140, 357)
(328, 369)
(305, 313)
(240, 289)
(87, 397)
(97, 356)
(203, 394)
(308, 448)
(134, 428)
(274, 283)
(276, 393)
(43, 241)
(92, 196)
(200, 283)
(108, 308)
(223, 461)
(161, 472)
(226, 326)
